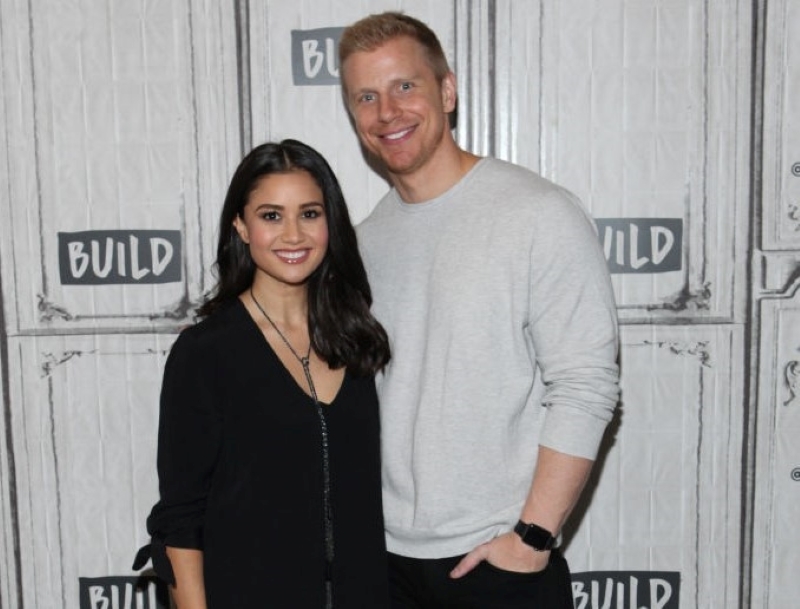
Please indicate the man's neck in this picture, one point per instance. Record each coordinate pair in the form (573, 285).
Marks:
(436, 177)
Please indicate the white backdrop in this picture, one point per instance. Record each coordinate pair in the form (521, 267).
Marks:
(671, 119)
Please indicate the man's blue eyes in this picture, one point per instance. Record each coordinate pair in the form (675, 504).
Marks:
(369, 97)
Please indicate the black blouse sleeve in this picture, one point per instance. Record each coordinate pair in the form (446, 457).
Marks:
(188, 443)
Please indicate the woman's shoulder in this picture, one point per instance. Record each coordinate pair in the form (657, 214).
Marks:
(217, 328)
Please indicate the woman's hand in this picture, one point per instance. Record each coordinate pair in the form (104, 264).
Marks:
(189, 591)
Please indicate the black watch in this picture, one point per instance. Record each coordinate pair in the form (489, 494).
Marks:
(535, 536)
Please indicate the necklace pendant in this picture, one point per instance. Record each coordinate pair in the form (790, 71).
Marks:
(304, 361)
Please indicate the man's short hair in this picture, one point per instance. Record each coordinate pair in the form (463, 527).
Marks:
(374, 31)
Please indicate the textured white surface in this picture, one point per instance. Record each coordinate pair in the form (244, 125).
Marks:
(667, 498)
(118, 119)
(781, 186)
(642, 104)
(127, 115)
(84, 419)
(776, 478)
(777, 500)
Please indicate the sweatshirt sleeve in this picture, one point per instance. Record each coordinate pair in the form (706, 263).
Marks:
(574, 327)
(188, 444)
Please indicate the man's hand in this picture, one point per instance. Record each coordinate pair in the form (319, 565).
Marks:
(506, 552)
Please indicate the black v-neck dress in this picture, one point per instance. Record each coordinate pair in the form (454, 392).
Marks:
(240, 474)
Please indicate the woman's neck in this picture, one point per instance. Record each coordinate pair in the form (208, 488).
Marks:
(287, 306)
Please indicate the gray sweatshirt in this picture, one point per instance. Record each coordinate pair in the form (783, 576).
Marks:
(501, 317)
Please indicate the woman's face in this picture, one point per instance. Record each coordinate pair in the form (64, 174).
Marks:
(284, 224)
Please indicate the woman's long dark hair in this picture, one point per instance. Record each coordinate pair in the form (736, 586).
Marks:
(342, 329)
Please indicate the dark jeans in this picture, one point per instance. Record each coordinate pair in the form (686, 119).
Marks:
(416, 583)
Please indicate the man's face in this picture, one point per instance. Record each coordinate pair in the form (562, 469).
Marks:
(399, 109)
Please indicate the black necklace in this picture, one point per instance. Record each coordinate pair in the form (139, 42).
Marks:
(327, 512)
(305, 362)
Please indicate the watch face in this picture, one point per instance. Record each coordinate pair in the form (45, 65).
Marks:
(535, 536)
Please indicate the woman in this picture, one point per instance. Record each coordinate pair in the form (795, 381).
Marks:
(268, 454)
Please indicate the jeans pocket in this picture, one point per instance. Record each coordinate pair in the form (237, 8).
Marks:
(513, 575)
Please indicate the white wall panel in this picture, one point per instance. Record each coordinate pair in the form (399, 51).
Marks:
(777, 480)
(643, 111)
(666, 494)
(316, 114)
(9, 588)
(84, 421)
(781, 170)
(498, 65)
(133, 115)
(119, 116)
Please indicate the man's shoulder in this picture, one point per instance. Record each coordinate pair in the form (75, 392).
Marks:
(511, 175)
(516, 186)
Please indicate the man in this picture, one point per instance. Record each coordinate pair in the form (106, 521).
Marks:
(493, 288)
